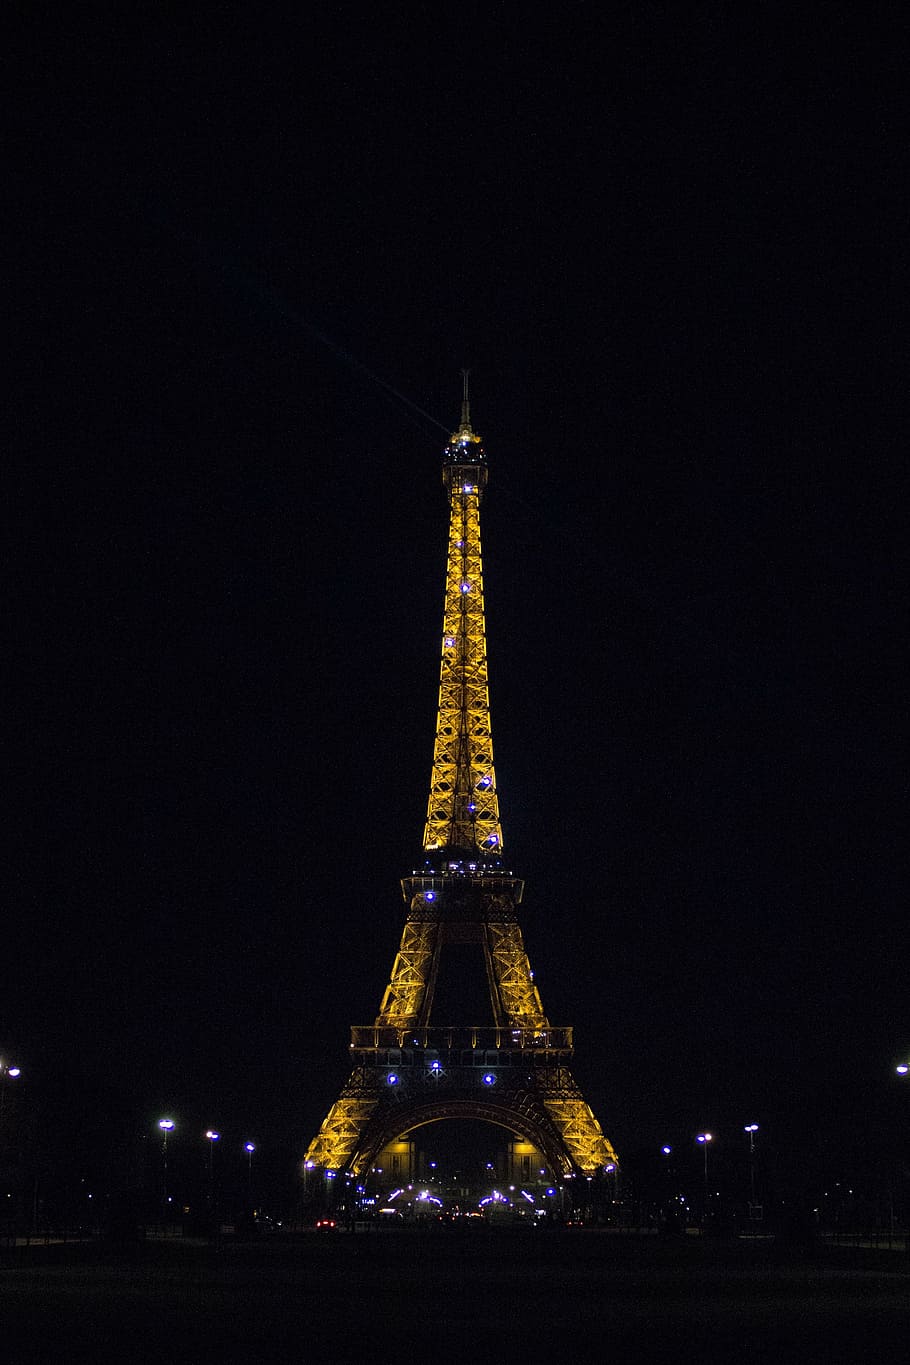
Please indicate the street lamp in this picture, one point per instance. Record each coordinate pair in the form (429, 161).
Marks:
(249, 1148)
(166, 1126)
(705, 1139)
(611, 1170)
(6, 1070)
(751, 1129)
(213, 1138)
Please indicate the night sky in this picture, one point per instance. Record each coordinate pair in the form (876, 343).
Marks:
(247, 263)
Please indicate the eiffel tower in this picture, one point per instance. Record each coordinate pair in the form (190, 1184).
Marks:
(409, 1070)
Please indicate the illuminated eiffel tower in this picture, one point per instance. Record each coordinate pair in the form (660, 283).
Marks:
(409, 1070)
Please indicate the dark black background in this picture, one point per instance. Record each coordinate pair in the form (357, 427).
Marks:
(248, 259)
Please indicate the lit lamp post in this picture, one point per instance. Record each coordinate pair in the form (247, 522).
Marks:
(6, 1070)
(166, 1126)
(611, 1170)
(213, 1138)
(902, 1069)
(673, 1202)
(249, 1148)
(751, 1129)
(705, 1139)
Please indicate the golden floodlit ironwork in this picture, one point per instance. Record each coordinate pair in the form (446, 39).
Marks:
(512, 1071)
(463, 810)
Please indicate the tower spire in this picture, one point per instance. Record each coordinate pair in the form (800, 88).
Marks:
(465, 403)
(465, 435)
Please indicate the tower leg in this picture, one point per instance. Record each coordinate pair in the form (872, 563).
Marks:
(342, 1128)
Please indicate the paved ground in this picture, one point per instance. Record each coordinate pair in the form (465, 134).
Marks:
(542, 1296)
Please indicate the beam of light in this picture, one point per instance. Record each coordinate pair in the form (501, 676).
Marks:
(231, 271)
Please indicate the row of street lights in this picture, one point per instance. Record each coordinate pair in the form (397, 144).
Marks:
(751, 1128)
(167, 1126)
(705, 1139)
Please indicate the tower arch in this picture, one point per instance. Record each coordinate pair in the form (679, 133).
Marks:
(509, 1116)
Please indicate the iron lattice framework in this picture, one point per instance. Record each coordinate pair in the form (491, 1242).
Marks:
(407, 1071)
(463, 811)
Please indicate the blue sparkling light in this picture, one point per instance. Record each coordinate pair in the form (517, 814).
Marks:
(430, 896)
(392, 1078)
(489, 1078)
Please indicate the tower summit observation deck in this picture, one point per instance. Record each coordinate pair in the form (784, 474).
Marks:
(410, 1070)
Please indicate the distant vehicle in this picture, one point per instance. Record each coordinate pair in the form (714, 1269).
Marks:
(326, 1225)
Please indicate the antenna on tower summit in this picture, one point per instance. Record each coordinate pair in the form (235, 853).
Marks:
(464, 435)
